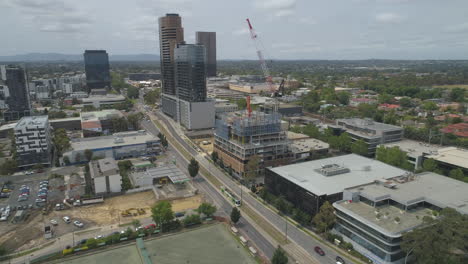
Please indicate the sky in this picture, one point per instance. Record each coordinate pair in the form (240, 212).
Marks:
(288, 29)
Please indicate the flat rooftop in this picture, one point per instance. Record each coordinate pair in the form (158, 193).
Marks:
(414, 148)
(434, 188)
(368, 124)
(304, 145)
(102, 166)
(98, 115)
(32, 121)
(65, 119)
(452, 155)
(171, 171)
(7, 126)
(117, 139)
(386, 223)
(296, 136)
(361, 171)
(103, 98)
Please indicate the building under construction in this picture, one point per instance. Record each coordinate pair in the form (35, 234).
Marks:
(240, 135)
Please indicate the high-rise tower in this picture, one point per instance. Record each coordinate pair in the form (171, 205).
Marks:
(208, 39)
(15, 93)
(190, 72)
(97, 69)
(170, 33)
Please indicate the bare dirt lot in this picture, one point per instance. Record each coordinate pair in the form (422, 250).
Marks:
(208, 148)
(185, 204)
(25, 235)
(109, 212)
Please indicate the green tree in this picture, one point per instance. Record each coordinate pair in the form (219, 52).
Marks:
(457, 174)
(430, 165)
(457, 95)
(66, 160)
(136, 223)
(8, 167)
(214, 156)
(88, 154)
(61, 141)
(301, 217)
(343, 97)
(279, 256)
(429, 106)
(193, 219)
(235, 215)
(344, 142)
(207, 209)
(152, 97)
(443, 240)
(163, 139)
(367, 110)
(406, 102)
(360, 147)
(385, 98)
(251, 168)
(193, 168)
(78, 157)
(132, 92)
(162, 213)
(134, 120)
(325, 218)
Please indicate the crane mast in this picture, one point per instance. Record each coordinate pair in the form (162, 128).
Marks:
(263, 65)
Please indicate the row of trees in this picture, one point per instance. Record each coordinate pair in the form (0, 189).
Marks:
(132, 121)
(163, 139)
(124, 168)
(393, 156)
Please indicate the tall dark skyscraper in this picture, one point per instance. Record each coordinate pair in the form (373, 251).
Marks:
(190, 72)
(170, 33)
(208, 39)
(97, 69)
(17, 93)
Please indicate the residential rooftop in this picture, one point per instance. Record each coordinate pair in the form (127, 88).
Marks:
(29, 121)
(117, 139)
(452, 155)
(414, 148)
(352, 170)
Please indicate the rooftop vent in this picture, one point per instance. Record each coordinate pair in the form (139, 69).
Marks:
(332, 169)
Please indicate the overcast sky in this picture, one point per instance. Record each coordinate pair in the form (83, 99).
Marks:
(289, 29)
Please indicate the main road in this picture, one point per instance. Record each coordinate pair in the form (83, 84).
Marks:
(299, 237)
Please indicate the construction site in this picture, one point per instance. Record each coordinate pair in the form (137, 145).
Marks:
(242, 135)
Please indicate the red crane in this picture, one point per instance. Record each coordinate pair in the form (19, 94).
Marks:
(263, 65)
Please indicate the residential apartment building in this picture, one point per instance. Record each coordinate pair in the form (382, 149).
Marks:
(238, 137)
(33, 141)
(171, 33)
(373, 133)
(14, 92)
(375, 216)
(105, 176)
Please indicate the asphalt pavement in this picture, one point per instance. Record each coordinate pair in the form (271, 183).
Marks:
(302, 239)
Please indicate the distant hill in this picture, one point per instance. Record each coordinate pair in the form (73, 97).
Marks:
(38, 57)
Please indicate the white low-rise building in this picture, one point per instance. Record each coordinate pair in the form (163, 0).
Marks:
(105, 176)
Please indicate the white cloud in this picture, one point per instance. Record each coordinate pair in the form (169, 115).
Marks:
(276, 8)
(239, 32)
(388, 18)
(307, 21)
(459, 28)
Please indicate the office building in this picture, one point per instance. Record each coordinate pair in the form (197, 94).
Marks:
(208, 40)
(33, 141)
(97, 100)
(307, 185)
(97, 69)
(284, 109)
(238, 137)
(121, 145)
(373, 133)
(416, 151)
(105, 176)
(170, 34)
(374, 217)
(450, 158)
(14, 92)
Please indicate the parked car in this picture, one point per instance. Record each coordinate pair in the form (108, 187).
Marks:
(54, 222)
(319, 251)
(39, 200)
(78, 223)
(179, 214)
(66, 219)
(98, 237)
(150, 226)
(339, 260)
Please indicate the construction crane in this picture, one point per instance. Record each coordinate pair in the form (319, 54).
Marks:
(264, 66)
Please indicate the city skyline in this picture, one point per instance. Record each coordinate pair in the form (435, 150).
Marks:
(290, 29)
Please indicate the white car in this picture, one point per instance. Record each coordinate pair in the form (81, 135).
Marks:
(54, 222)
(66, 219)
(78, 223)
(98, 237)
